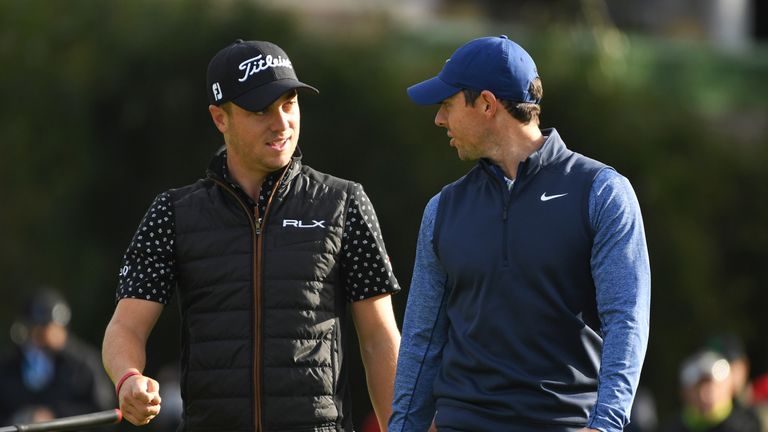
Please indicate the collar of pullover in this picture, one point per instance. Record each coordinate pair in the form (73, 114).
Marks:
(553, 150)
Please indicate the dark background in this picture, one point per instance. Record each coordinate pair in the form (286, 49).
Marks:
(104, 107)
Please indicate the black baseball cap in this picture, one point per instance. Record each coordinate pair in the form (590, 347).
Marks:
(252, 74)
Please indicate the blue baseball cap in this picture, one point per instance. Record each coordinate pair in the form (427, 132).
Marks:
(496, 64)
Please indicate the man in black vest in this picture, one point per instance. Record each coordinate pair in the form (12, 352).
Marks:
(529, 305)
(264, 256)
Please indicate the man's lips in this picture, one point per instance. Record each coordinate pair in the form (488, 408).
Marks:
(279, 144)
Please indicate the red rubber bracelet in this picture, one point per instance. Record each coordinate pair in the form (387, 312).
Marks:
(122, 380)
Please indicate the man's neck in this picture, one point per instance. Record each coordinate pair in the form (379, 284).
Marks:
(517, 146)
(249, 180)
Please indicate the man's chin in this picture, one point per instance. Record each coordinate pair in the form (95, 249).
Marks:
(279, 162)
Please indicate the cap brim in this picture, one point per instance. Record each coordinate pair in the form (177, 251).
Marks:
(432, 91)
(260, 98)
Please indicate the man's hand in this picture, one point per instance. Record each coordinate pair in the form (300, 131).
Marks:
(140, 399)
(588, 430)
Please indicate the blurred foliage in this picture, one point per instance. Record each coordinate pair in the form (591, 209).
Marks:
(105, 107)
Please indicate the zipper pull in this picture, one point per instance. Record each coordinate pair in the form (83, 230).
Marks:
(257, 224)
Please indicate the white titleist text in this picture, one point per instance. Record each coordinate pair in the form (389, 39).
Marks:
(259, 63)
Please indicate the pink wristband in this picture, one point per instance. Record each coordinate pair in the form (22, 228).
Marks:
(122, 380)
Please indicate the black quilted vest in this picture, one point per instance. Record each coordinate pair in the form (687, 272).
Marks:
(262, 307)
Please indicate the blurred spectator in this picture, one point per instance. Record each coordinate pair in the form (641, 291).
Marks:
(49, 373)
(731, 347)
(707, 395)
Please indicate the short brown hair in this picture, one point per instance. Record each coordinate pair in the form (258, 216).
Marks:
(521, 111)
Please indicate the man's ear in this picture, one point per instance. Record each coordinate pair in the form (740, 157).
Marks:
(219, 117)
(489, 102)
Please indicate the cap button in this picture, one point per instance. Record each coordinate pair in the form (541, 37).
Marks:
(503, 36)
(238, 40)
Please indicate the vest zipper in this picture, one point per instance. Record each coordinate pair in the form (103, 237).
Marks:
(506, 199)
(257, 228)
(257, 299)
(505, 210)
(253, 219)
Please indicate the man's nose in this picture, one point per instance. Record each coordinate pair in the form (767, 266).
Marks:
(440, 119)
(281, 121)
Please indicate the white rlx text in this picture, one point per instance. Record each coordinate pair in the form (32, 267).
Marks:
(301, 224)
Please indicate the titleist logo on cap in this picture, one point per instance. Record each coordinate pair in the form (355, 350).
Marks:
(259, 63)
(252, 74)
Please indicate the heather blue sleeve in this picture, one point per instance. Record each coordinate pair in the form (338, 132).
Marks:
(425, 331)
(621, 271)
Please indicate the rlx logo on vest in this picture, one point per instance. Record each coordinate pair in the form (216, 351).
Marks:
(301, 224)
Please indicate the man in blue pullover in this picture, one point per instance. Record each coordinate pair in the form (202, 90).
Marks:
(529, 304)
